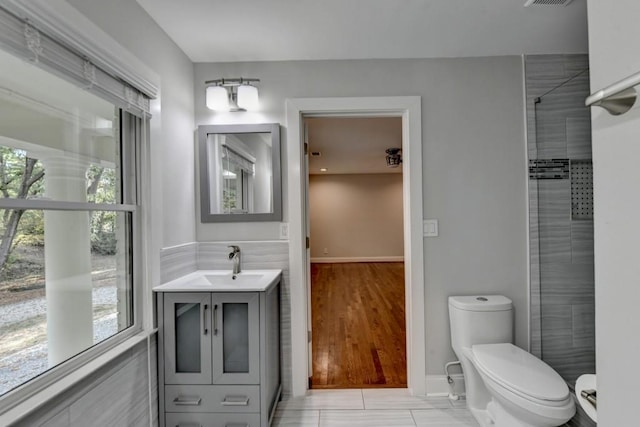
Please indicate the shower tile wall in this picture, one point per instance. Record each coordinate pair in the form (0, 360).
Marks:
(562, 278)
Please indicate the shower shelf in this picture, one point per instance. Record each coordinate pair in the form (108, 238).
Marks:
(549, 169)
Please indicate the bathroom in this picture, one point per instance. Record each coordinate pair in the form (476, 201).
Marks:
(474, 181)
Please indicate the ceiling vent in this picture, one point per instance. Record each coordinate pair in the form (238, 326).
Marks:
(547, 3)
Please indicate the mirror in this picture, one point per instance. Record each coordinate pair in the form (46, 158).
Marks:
(240, 173)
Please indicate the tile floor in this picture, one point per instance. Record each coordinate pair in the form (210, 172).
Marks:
(371, 408)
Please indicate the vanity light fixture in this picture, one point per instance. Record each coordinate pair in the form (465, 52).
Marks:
(394, 158)
(323, 169)
(236, 94)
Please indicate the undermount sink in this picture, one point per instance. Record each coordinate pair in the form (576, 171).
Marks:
(222, 280)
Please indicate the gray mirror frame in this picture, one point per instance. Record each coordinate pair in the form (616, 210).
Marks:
(205, 215)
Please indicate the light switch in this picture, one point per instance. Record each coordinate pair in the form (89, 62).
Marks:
(284, 230)
(430, 227)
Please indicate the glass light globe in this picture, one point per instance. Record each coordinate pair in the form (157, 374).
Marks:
(217, 98)
(248, 97)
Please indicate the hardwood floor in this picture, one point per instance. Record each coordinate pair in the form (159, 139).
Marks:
(358, 325)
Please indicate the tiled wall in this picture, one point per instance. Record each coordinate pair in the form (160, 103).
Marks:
(117, 394)
(562, 277)
(177, 261)
(180, 260)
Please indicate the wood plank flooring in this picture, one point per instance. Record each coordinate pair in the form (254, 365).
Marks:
(358, 324)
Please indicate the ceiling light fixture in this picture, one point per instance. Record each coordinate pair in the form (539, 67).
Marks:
(236, 94)
(394, 158)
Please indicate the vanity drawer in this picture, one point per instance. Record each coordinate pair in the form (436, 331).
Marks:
(211, 420)
(212, 398)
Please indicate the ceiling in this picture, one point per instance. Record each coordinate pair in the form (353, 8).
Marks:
(276, 30)
(352, 145)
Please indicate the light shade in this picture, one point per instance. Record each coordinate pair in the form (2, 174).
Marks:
(217, 98)
(248, 97)
(394, 158)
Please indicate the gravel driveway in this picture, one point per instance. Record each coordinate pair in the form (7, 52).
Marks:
(26, 363)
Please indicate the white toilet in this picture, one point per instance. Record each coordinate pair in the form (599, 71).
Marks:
(505, 385)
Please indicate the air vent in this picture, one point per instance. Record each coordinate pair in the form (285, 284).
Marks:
(547, 3)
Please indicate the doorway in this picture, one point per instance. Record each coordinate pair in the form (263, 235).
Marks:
(357, 311)
(409, 108)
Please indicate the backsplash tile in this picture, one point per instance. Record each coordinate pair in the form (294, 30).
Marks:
(176, 261)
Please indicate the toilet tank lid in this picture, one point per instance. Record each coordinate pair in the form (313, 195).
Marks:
(481, 303)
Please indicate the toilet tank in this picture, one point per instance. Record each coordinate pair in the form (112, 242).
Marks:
(480, 319)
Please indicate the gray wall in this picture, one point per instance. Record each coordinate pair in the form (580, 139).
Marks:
(474, 166)
(613, 55)
(356, 216)
(117, 394)
(172, 130)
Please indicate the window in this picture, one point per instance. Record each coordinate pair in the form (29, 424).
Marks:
(68, 221)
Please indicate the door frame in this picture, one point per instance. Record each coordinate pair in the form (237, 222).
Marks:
(409, 108)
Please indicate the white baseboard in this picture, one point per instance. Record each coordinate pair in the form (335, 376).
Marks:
(437, 385)
(335, 260)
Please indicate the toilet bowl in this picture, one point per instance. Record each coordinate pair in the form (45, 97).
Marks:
(526, 388)
(505, 385)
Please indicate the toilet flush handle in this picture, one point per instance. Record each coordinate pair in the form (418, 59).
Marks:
(590, 396)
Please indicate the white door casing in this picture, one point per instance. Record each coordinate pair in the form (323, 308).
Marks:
(407, 107)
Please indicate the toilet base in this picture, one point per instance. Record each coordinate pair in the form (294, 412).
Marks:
(482, 417)
(502, 418)
(496, 416)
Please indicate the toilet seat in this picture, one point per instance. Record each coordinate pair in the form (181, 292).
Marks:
(521, 373)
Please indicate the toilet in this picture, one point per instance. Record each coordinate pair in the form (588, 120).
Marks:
(505, 385)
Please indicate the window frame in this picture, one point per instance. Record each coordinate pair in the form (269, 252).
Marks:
(76, 46)
(132, 135)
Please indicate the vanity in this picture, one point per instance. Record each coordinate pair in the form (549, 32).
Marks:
(219, 348)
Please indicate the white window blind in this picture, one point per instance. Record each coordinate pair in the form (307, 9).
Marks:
(27, 42)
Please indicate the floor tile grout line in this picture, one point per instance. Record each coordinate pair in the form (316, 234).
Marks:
(412, 417)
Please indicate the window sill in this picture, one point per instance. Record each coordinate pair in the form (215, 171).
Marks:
(43, 396)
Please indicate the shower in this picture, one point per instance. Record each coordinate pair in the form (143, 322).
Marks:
(561, 214)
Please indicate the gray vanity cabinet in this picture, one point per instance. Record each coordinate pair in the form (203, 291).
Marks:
(219, 358)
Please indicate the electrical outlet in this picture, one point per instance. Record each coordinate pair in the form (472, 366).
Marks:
(284, 230)
(326, 251)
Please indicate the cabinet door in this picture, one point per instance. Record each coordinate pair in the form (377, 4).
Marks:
(187, 338)
(236, 338)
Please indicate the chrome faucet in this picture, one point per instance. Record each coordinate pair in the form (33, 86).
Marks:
(235, 256)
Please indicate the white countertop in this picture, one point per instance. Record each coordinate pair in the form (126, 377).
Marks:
(223, 281)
